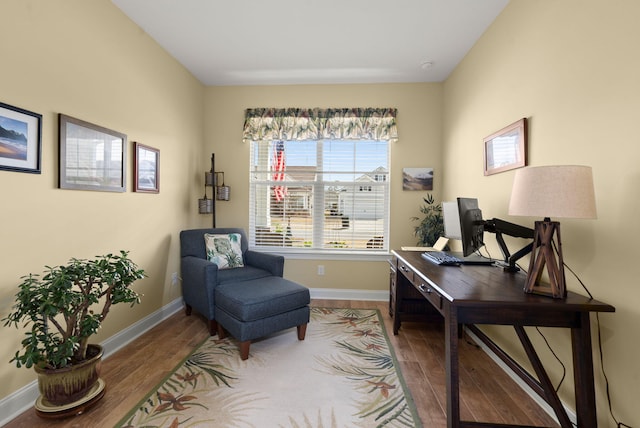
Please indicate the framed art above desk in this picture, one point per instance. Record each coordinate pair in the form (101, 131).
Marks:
(469, 295)
(507, 148)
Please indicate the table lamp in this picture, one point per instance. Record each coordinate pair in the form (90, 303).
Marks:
(561, 191)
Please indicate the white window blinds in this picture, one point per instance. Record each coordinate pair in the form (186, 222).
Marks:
(319, 196)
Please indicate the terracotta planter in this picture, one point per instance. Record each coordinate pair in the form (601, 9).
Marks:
(60, 387)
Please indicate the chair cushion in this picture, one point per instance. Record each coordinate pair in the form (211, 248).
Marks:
(224, 250)
(261, 298)
(245, 273)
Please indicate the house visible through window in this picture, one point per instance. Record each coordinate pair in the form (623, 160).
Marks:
(327, 195)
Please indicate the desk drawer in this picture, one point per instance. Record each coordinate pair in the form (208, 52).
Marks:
(406, 270)
(427, 291)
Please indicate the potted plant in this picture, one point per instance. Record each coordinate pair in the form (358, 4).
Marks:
(431, 225)
(64, 307)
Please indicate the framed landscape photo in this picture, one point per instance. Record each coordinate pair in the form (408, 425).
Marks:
(91, 157)
(146, 171)
(506, 149)
(20, 139)
(417, 178)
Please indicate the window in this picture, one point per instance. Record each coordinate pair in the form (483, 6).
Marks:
(320, 178)
(319, 195)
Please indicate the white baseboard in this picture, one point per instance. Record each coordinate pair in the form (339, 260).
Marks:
(23, 399)
(18, 402)
(349, 294)
(123, 337)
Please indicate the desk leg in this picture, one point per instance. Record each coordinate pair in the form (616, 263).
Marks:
(453, 374)
(583, 373)
(543, 379)
(396, 323)
(396, 309)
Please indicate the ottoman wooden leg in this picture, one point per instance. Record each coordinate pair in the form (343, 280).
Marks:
(221, 332)
(213, 327)
(244, 349)
(302, 331)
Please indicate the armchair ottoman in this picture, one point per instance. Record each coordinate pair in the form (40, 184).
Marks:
(256, 308)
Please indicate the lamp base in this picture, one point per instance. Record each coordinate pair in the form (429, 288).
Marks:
(547, 250)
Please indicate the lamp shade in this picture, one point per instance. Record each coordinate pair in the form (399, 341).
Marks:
(560, 191)
(205, 206)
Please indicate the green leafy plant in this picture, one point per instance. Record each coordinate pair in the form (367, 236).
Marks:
(59, 307)
(431, 225)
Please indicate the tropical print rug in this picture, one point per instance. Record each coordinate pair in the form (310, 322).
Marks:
(344, 374)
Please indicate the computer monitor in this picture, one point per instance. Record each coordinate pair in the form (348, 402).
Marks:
(451, 220)
(471, 225)
(463, 220)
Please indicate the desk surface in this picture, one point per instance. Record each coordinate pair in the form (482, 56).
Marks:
(490, 286)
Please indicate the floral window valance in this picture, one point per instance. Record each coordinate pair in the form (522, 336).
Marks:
(318, 124)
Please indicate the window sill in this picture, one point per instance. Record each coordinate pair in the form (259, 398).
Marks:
(376, 256)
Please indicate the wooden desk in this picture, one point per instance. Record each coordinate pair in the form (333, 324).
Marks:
(487, 295)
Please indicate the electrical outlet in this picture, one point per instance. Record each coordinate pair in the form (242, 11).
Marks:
(174, 279)
(320, 269)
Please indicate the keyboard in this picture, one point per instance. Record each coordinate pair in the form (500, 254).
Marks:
(441, 258)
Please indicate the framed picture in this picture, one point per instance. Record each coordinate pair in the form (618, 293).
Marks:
(417, 178)
(20, 139)
(146, 171)
(91, 157)
(506, 149)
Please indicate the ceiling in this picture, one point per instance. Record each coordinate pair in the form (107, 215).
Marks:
(275, 42)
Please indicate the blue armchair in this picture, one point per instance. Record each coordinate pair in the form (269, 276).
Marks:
(200, 277)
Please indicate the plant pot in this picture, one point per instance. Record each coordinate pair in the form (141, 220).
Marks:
(70, 384)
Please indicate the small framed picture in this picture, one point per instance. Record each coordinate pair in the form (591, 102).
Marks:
(91, 157)
(506, 149)
(20, 139)
(417, 178)
(146, 171)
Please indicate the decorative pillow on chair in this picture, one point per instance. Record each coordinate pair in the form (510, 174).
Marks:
(224, 250)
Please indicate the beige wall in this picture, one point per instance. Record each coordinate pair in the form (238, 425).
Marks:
(572, 68)
(419, 127)
(87, 60)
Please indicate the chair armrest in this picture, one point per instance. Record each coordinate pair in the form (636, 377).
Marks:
(270, 262)
(197, 270)
(199, 280)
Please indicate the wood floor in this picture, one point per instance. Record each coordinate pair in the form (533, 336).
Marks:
(487, 393)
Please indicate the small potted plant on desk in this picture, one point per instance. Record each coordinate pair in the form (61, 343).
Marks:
(60, 309)
(431, 226)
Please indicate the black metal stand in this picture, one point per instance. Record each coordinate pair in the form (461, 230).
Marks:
(213, 186)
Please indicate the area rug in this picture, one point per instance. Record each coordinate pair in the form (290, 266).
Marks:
(344, 374)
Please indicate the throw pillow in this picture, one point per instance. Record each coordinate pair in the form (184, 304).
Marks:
(224, 250)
